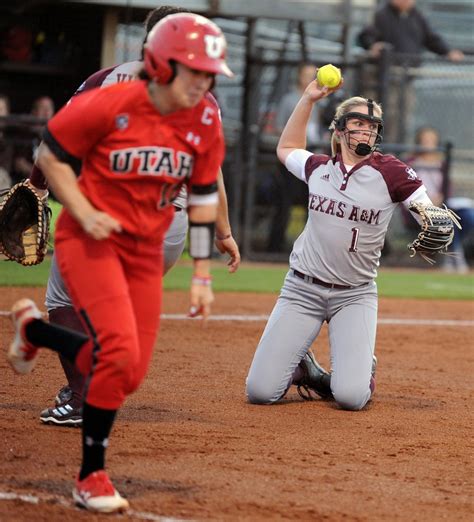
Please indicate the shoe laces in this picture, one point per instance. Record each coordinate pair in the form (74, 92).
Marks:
(97, 484)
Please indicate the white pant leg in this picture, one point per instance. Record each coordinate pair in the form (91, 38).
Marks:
(56, 292)
(352, 331)
(291, 329)
(175, 239)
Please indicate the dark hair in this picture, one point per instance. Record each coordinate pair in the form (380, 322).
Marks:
(153, 17)
(143, 75)
(426, 128)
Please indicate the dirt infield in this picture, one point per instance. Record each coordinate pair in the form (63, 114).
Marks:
(188, 446)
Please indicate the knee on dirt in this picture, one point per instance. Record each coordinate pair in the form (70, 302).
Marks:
(352, 398)
(259, 392)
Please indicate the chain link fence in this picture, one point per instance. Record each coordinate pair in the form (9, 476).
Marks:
(264, 55)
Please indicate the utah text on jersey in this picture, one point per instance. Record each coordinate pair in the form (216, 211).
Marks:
(152, 161)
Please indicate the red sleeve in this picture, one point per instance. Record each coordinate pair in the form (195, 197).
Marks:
(78, 126)
(206, 168)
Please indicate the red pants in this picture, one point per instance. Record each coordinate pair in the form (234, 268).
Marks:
(116, 284)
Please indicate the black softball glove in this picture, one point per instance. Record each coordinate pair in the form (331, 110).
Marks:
(437, 231)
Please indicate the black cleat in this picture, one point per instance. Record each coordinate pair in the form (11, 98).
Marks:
(315, 379)
(67, 414)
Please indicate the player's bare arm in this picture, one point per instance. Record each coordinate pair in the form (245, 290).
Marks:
(201, 288)
(224, 242)
(61, 178)
(293, 135)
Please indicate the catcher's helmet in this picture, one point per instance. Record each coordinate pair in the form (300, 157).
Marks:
(186, 38)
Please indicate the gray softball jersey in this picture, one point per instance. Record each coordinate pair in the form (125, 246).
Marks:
(348, 213)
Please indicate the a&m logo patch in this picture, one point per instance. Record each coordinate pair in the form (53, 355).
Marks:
(411, 173)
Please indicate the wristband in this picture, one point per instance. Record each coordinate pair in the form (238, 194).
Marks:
(201, 240)
(201, 280)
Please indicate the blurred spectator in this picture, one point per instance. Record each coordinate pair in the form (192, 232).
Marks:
(400, 24)
(6, 146)
(43, 109)
(400, 27)
(306, 73)
(287, 189)
(16, 44)
(431, 169)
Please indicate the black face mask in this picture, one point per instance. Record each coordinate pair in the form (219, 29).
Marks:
(361, 149)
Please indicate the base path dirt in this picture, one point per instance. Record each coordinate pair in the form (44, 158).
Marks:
(188, 446)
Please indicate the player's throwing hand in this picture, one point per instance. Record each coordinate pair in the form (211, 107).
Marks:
(315, 92)
(201, 296)
(100, 225)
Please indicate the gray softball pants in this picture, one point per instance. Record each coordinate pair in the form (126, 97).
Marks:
(295, 323)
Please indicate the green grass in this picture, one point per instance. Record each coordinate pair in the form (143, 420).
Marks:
(423, 284)
(55, 209)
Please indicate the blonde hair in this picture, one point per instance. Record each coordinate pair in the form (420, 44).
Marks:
(344, 108)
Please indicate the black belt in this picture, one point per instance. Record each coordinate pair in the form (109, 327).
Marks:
(317, 281)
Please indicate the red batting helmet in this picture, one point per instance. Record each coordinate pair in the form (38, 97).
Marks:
(187, 38)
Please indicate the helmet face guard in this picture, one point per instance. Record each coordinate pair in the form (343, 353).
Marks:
(185, 38)
(360, 148)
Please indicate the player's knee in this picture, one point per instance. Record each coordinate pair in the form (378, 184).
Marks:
(123, 369)
(135, 379)
(352, 398)
(259, 392)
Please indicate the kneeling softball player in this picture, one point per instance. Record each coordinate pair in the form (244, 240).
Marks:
(352, 197)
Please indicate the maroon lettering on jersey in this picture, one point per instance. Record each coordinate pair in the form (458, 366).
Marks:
(123, 77)
(331, 207)
(354, 215)
(373, 217)
(318, 203)
(341, 209)
(319, 206)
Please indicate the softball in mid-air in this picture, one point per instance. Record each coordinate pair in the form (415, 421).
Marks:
(329, 76)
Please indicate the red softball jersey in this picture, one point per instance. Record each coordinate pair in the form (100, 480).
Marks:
(134, 160)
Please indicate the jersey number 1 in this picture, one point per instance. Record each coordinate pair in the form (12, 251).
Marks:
(355, 238)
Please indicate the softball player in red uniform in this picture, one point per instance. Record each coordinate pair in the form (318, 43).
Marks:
(138, 143)
(67, 410)
(352, 197)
